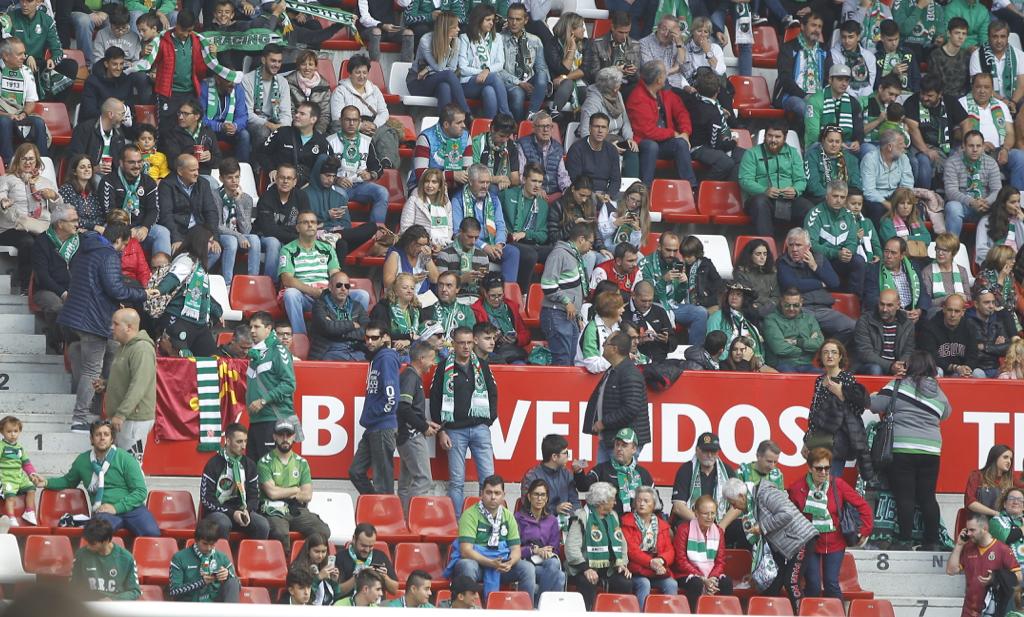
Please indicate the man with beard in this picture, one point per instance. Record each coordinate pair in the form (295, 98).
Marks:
(803, 66)
(376, 449)
(447, 311)
(935, 116)
(191, 137)
(992, 117)
(772, 178)
(836, 106)
(299, 143)
(229, 489)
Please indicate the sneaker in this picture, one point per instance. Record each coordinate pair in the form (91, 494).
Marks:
(791, 21)
(5, 524)
(14, 522)
(80, 428)
(760, 21)
(29, 516)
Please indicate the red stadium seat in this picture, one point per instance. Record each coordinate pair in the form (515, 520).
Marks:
(661, 603)
(513, 294)
(510, 601)
(151, 593)
(424, 556)
(262, 563)
(720, 200)
(223, 338)
(174, 511)
(719, 605)
(752, 98)
(408, 137)
(54, 504)
(367, 286)
(871, 608)
(766, 47)
(742, 241)
(254, 595)
(376, 78)
(616, 603)
(822, 607)
(221, 545)
(300, 346)
(761, 605)
(470, 501)
(118, 540)
(849, 583)
(83, 69)
(391, 179)
(742, 137)
(49, 556)
(433, 519)
(847, 304)
(652, 243)
(674, 200)
(738, 567)
(57, 120)
(325, 67)
(526, 129)
(153, 559)
(480, 125)
(601, 28)
(446, 595)
(144, 114)
(531, 316)
(252, 294)
(385, 513)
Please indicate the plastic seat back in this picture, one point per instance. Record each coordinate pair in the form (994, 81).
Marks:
(562, 602)
(151, 593)
(661, 603)
(153, 559)
(719, 605)
(424, 556)
(57, 120)
(822, 607)
(54, 504)
(262, 563)
(433, 518)
(385, 513)
(616, 603)
(871, 608)
(325, 67)
(847, 304)
(174, 511)
(510, 601)
(254, 595)
(761, 605)
(49, 556)
(252, 294)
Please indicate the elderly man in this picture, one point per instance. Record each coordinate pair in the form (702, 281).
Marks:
(666, 43)
(992, 329)
(479, 200)
(338, 323)
(882, 171)
(622, 467)
(950, 340)
(186, 200)
(307, 264)
(797, 81)
(808, 271)
(661, 124)
(651, 320)
(616, 48)
(131, 385)
(619, 400)
(134, 192)
(101, 138)
(833, 232)
(525, 73)
(51, 267)
(791, 336)
(18, 97)
(713, 474)
(884, 338)
(191, 136)
(835, 106)
(773, 179)
(666, 270)
(992, 117)
(453, 162)
(1007, 73)
(565, 287)
(972, 182)
(541, 148)
(895, 271)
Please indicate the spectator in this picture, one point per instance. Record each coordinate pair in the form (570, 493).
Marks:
(767, 197)
(485, 336)
(991, 116)
(524, 71)
(37, 30)
(835, 106)
(867, 237)
(812, 276)
(986, 486)
(187, 201)
(896, 271)
(464, 401)
(117, 33)
(605, 96)
(465, 257)
(578, 205)
(465, 594)
(765, 467)
(919, 407)
(193, 137)
(101, 137)
(540, 533)
(564, 283)
(884, 338)
(526, 215)
(598, 158)
(121, 189)
(201, 573)
(434, 71)
(338, 323)
(287, 489)
(561, 498)
(20, 97)
(306, 267)
(620, 399)
(828, 160)
(620, 465)
(705, 357)
(331, 206)
(267, 96)
(299, 585)
(376, 448)
(1002, 226)
(97, 288)
(133, 259)
(649, 546)
(298, 143)
(229, 489)
(51, 266)
(363, 554)
(617, 48)
(628, 221)
(102, 569)
(130, 389)
(820, 496)
(1013, 363)
(991, 57)
(26, 199)
(997, 276)
(359, 91)
(667, 44)
(736, 318)
(792, 336)
(831, 229)
(399, 311)
(269, 361)
(314, 557)
(700, 553)
(742, 357)
(481, 61)
(367, 591)
(951, 340)
(856, 53)
(903, 220)
(113, 481)
(803, 65)
(1006, 527)
(479, 200)
(703, 52)
(236, 214)
(950, 59)
(883, 170)
(943, 277)
(78, 193)
(712, 140)
(653, 323)
(541, 148)
(192, 310)
(565, 55)
(972, 183)
(971, 544)
(226, 114)
(834, 421)
(609, 308)
(892, 58)
(493, 307)
(755, 270)
(306, 85)
(285, 335)
(992, 330)
(645, 106)
(680, 286)
(429, 207)
(689, 486)
(932, 113)
(595, 550)
(359, 167)
(414, 427)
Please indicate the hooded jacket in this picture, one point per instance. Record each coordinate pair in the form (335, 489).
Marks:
(323, 199)
(131, 386)
(97, 287)
(785, 528)
(380, 409)
(985, 332)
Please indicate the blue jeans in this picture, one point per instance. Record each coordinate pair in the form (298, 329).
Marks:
(794, 105)
(745, 62)
(550, 576)
(1015, 168)
(7, 136)
(158, 240)
(241, 141)
(792, 367)
(371, 193)
(924, 174)
(517, 96)
(827, 565)
(523, 573)
(342, 352)
(444, 86)
(271, 247)
(492, 94)
(477, 440)
(229, 246)
(695, 319)
(562, 334)
(957, 214)
(139, 522)
(677, 149)
(642, 587)
(510, 263)
(868, 368)
(84, 30)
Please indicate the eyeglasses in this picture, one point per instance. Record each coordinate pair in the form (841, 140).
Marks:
(370, 337)
(1014, 500)
(343, 285)
(830, 352)
(792, 305)
(822, 468)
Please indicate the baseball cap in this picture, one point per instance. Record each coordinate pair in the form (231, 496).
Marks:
(709, 441)
(430, 328)
(627, 435)
(284, 426)
(840, 70)
(462, 584)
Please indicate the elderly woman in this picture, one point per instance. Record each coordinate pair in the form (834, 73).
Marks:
(1008, 527)
(411, 255)
(26, 199)
(428, 206)
(306, 84)
(540, 536)
(609, 307)
(627, 221)
(776, 530)
(493, 307)
(400, 309)
(604, 96)
(736, 317)
(361, 93)
(820, 495)
(942, 277)
(595, 549)
(700, 553)
(649, 546)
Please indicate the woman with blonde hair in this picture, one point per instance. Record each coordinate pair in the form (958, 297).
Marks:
(630, 221)
(434, 72)
(565, 62)
(400, 309)
(26, 200)
(997, 276)
(429, 207)
(903, 219)
(1013, 363)
(942, 277)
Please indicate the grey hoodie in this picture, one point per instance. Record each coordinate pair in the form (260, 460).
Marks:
(920, 406)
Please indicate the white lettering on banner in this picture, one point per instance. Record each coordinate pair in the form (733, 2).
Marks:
(670, 415)
(586, 452)
(986, 421)
(727, 431)
(546, 424)
(794, 432)
(313, 424)
(505, 446)
(1018, 437)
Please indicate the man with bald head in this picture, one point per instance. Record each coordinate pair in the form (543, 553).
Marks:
(186, 199)
(884, 338)
(131, 385)
(101, 139)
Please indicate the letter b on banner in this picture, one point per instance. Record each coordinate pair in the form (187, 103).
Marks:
(313, 425)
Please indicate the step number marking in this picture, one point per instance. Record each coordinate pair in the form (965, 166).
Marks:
(924, 607)
(39, 441)
(883, 561)
(4, 378)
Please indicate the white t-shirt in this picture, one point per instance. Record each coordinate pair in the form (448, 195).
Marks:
(997, 80)
(986, 125)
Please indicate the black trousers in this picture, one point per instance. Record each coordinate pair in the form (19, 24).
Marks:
(693, 588)
(353, 238)
(261, 439)
(762, 210)
(614, 583)
(790, 572)
(187, 335)
(912, 479)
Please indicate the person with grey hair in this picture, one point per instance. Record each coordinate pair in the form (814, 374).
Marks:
(882, 171)
(811, 275)
(649, 546)
(605, 96)
(666, 43)
(661, 124)
(239, 345)
(19, 95)
(186, 200)
(51, 258)
(596, 554)
(479, 199)
(833, 231)
(542, 148)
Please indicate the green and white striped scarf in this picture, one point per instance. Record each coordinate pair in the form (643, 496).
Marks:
(210, 421)
(235, 471)
(479, 405)
(627, 480)
(817, 506)
(145, 64)
(67, 248)
(838, 111)
(602, 538)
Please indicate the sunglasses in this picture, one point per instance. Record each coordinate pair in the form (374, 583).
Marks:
(370, 337)
(343, 285)
(788, 305)
(822, 468)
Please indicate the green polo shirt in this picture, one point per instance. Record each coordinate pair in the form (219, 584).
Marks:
(476, 529)
(290, 474)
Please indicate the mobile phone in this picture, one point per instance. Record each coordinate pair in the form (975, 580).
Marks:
(330, 561)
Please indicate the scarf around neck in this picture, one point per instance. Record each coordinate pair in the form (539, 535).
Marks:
(701, 549)
(275, 96)
(404, 320)
(994, 108)
(65, 249)
(479, 405)
(603, 542)
(99, 473)
(886, 280)
(975, 188)
(627, 480)
(990, 64)
(132, 194)
(648, 533)
(809, 74)
(722, 476)
(235, 471)
(939, 287)
(817, 506)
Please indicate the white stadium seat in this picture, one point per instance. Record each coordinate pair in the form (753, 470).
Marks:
(396, 85)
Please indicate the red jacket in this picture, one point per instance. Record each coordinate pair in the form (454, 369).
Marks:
(833, 542)
(639, 561)
(134, 264)
(643, 114)
(683, 567)
(165, 58)
(522, 332)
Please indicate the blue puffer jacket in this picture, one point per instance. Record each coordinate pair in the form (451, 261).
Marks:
(97, 287)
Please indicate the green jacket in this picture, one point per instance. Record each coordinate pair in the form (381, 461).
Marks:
(38, 34)
(517, 209)
(717, 321)
(111, 576)
(887, 230)
(815, 162)
(791, 340)
(812, 121)
(665, 293)
(131, 386)
(186, 575)
(908, 15)
(271, 377)
(164, 6)
(977, 18)
(783, 170)
(831, 231)
(124, 486)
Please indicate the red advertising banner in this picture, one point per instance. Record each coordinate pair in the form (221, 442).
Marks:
(744, 408)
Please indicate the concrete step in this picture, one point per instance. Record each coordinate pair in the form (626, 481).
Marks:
(20, 403)
(23, 343)
(13, 304)
(916, 606)
(18, 324)
(886, 573)
(52, 381)
(57, 463)
(30, 363)
(5, 283)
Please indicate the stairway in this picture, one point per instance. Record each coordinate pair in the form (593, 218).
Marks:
(34, 385)
(915, 582)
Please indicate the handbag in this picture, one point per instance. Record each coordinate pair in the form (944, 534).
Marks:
(765, 570)
(156, 305)
(881, 447)
(849, 519)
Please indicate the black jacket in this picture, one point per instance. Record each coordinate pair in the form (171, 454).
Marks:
(708, 287)
(707, 125)
(786, 81)
(604, 472)
(111, 194)
(463, 394)
(212, 473)
(657, 321)
(179, 141)
(956, 346)
(1000, 324)
(98, 88)
(277, 219)
(696, 358)
(867, 339)
(842, 420)
(285, 146)
(86, 140)
(326, 328)
(178, 208)
(51, 271)
(625, 404)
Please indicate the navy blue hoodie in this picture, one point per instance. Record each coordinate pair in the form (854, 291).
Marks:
(380, 409)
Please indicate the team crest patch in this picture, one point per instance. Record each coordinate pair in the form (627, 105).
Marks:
(113, 572)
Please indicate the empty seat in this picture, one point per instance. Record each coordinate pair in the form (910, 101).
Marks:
(616, 603)
(252, 294)
(219, 291)
(432, 518)
(151, 593)
(849, 582)
(385, 513)
(300, 346)
(49, 556)
(153, 559)
(254, 595)
(424, 556)
(262, 563)
(11, 570)
(325, 67)
(674, 200)
(57, 120)
(847, 304)
(723, 202)
(562, 601)
(661, 603)
(761, 605)
(716, 249)
(752, 98)
(391, 179)
(738, 567)
(480, 125)
(822, 607)
(765, 47)
(719, 605)
(871, 608)
(337, 511)
(397, 86)
(531, 314)
(174, 511)
(367, 286)
(742, 241)
(510, 601)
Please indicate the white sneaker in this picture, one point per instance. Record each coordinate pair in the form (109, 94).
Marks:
(5, 524)
(14, 522)
(29, 516)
